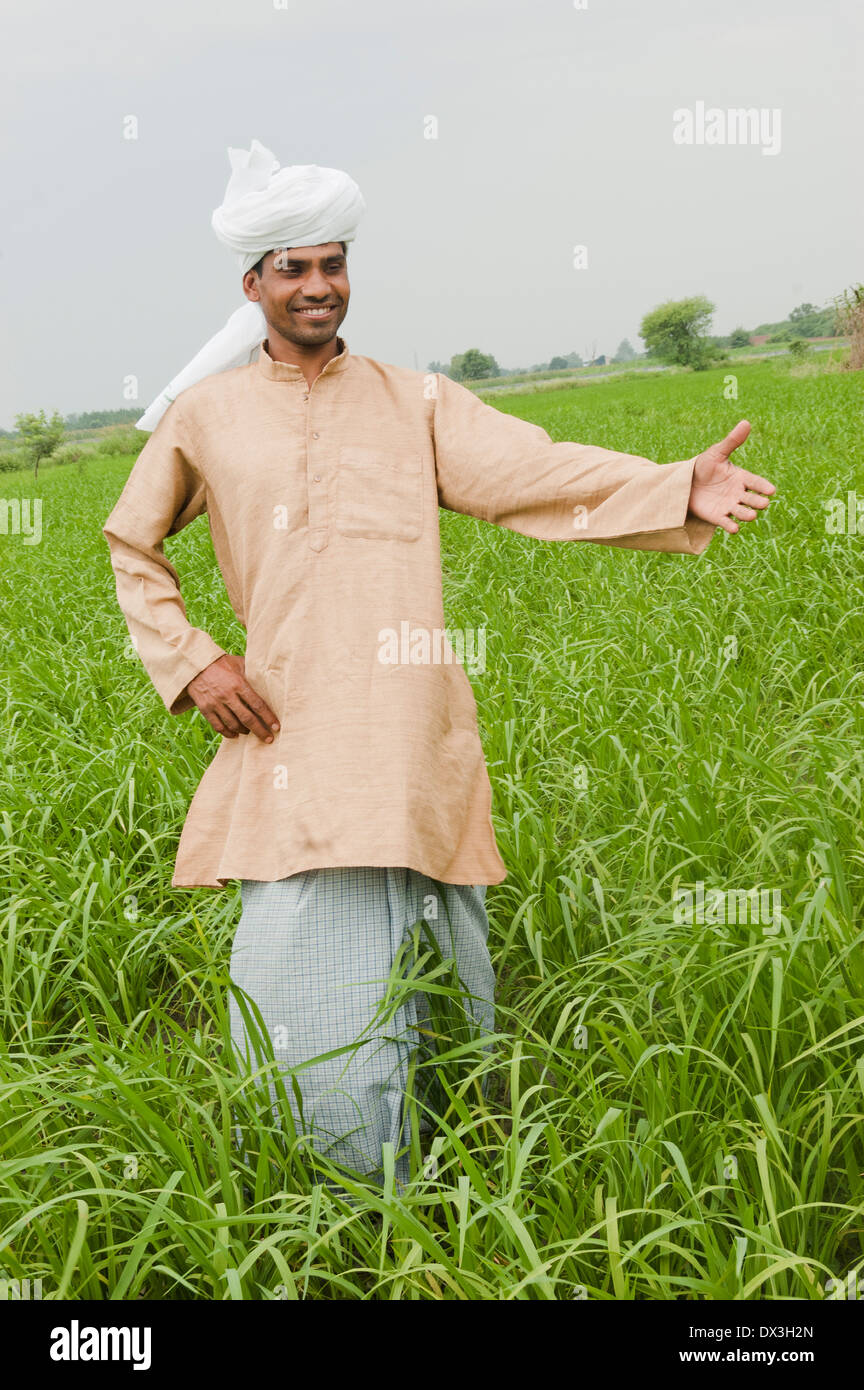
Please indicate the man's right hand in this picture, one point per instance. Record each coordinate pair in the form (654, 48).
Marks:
(228, 702)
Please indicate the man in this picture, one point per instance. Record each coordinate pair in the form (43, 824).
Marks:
(360, 804)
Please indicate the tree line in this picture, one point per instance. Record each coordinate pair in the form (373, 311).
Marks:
(673, 332)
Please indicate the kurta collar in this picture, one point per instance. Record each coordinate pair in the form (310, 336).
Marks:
(290, 371)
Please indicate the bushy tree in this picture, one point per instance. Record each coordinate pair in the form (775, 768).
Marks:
(739, 337)
(39, 435)
(625, 351)
(472, 365)
(676, 331)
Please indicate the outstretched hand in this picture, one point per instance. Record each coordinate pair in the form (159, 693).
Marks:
(720, 490)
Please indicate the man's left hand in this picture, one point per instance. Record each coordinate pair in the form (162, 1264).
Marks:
(720, 490)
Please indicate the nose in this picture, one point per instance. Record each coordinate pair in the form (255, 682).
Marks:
(316, 284)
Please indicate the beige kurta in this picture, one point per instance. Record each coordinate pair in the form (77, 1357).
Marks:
(323, 509)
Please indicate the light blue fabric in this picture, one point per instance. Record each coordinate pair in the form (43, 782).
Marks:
(315, 952)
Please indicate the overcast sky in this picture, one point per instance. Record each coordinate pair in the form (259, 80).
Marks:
(554, 130)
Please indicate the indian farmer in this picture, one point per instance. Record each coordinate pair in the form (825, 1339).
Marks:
(349, 794)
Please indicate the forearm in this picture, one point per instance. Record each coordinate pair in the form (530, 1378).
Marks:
(172, 651)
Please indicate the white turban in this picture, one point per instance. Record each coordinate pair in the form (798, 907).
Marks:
(300, 205)
(265, 208)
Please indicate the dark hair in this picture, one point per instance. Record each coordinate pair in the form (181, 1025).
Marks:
(257, 267)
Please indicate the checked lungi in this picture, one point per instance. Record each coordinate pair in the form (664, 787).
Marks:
(316, 953)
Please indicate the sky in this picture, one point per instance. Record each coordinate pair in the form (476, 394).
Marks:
(553, 128)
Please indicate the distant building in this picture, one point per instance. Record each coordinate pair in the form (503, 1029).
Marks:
(758, 339)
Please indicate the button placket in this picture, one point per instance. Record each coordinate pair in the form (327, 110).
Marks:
(316, 489)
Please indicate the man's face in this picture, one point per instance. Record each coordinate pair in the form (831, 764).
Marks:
(295, 280)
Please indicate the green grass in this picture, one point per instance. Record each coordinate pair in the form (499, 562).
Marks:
(674, 1110)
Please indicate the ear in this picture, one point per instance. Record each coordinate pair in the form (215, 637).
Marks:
(250, 286)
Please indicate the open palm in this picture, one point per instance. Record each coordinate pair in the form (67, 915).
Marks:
(720, 490)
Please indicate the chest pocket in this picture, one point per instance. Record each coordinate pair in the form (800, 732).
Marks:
(379, 496)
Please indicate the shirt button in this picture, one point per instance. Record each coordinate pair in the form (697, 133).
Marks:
(317, 477)
(314, 434)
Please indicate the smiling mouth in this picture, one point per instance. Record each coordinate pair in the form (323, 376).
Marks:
(322, 312)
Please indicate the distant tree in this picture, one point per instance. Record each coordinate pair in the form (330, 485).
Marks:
(739, 337)
(573, 359)
(625, 352)
(95, 419)
(675, 331)
(558, 364)
(473, 365)
(803, 311)
(714, 350)
(40, 436)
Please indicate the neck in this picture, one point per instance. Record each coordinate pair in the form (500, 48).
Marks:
(309, 358)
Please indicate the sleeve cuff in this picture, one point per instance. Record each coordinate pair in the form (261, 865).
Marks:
(201, 654)
(675, 529)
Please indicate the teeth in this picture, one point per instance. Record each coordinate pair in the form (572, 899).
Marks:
(316, 313)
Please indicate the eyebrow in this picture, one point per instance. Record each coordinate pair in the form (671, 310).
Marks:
(309, 260)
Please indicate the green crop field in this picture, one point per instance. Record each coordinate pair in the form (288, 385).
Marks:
(675, 1100)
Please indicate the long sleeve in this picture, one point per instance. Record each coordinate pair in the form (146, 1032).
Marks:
(510, 472)
(163, 493)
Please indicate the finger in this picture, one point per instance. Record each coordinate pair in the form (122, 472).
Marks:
(229, 719)
(753, 499)
(743, 513)
(250, 719)
(216, 723)
(728, 525)
(265, 720)
(757, 484)
(735, 438)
